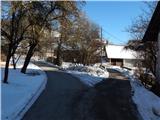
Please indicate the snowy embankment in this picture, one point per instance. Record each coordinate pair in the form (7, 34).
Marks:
(21, 91)
(148, 103)
(90, 75)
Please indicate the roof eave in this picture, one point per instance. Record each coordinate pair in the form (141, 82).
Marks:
(153, 29)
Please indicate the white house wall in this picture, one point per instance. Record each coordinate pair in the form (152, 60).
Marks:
(129, 63)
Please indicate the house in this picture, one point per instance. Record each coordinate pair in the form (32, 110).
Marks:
(118, 56)
(153, 34)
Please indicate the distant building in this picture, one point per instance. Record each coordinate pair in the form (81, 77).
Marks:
(118, 56)
(50, 52)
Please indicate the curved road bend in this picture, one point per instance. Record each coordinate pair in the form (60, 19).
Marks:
(55, 103)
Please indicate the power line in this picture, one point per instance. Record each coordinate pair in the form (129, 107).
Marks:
(113, 36)
(101, 47)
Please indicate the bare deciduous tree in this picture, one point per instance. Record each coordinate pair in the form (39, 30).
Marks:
(147, 50)
(137, 29)
(42, 15)
(13, 28)
(85, 39)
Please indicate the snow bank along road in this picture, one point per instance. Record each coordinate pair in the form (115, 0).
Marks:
(22, 90)
(56, 102)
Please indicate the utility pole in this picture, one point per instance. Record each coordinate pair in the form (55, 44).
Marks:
(101, 47)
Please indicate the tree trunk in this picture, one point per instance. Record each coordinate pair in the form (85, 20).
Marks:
(17, 59)
(7, 65)
(83, 58)
(11, 52)
(105, 52)
(13, 62)
(12, 55)
(58, 59)
(28, 58)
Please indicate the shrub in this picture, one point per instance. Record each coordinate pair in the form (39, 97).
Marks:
(147, 79)
(50, 59)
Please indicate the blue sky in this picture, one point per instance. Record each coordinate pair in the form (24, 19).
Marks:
(114, 17)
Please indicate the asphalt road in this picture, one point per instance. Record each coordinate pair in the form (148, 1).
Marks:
(110, 99)
(67, 98)
(56, 102)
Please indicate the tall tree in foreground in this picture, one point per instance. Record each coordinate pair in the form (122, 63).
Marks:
(42, 15)
(13, 28)
(38, 17)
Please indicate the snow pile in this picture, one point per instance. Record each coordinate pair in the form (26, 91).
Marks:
(156, 109)
(147, 102)
(90, 75)
(22, 91)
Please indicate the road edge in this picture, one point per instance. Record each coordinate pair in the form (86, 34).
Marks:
(34, 97)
